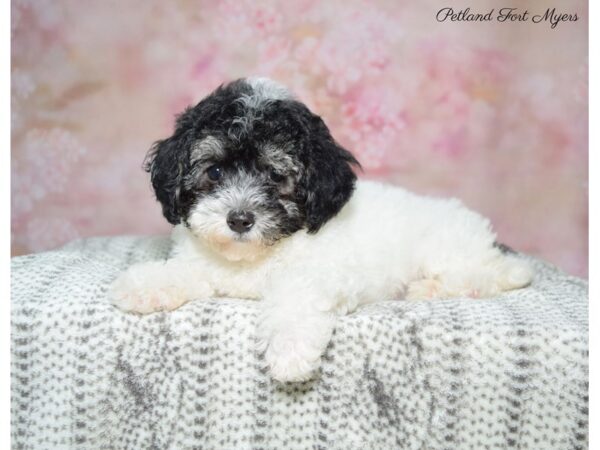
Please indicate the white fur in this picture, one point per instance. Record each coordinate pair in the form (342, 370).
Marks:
(386, 243)
(264, 91)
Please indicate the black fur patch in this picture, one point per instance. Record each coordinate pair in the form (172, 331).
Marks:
(504, 248)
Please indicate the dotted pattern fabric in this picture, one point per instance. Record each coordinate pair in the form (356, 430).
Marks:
(453, 374)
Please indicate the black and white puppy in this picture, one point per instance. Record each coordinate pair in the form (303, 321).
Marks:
(266, 206)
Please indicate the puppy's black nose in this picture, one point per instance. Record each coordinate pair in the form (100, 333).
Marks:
(240, 221)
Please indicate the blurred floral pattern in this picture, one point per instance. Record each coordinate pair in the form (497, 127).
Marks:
(493, 113)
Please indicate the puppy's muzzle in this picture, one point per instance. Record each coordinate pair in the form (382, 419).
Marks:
(240, 221)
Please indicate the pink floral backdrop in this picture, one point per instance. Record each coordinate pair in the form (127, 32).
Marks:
(493, 113)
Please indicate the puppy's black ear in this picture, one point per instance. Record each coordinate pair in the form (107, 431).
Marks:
(328, 180)
(167, 162)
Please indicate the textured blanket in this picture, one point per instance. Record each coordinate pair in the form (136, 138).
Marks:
(453, 374)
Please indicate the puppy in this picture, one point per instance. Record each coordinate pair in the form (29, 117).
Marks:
(266, 206)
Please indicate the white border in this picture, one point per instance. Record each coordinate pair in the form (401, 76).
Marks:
(5, 222)
(594, 223)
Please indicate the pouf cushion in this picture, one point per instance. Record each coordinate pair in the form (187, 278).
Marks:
(454, 374)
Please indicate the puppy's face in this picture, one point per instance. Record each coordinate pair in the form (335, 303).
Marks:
(248, 166)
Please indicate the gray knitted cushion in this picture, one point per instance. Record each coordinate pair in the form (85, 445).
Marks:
(453, 374)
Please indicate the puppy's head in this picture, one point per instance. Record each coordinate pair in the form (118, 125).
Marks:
(248, 166)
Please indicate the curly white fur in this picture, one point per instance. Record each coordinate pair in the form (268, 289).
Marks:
(385, 243)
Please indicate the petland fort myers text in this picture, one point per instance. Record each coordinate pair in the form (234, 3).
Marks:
(551, 16)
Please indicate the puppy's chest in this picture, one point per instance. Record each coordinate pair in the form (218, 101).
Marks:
(238, 279)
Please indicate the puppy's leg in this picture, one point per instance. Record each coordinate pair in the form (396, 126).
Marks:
(294, 330)
(487, 277)
(159, 286)
(511, 272)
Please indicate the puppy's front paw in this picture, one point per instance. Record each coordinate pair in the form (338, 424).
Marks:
(145, 301)
(291, 359)
(148, 287)
(130, 294)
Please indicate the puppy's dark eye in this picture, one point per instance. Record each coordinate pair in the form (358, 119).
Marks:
(276, 177)
(214, 172)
